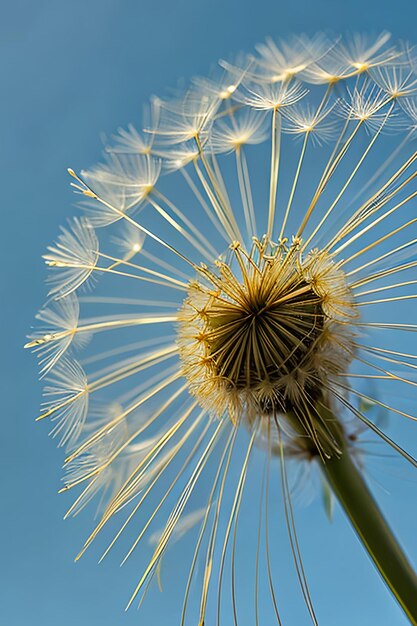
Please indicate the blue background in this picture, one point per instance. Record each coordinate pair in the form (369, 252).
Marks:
(70, 70)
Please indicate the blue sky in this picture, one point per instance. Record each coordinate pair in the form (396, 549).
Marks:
(70, 71)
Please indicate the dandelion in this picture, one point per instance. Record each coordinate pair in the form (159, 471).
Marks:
(251, 323)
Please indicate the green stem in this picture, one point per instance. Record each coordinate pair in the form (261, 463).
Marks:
(355, 497)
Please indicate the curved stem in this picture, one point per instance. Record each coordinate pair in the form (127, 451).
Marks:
(372, 529)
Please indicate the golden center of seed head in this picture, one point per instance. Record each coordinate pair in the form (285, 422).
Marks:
(255, 335)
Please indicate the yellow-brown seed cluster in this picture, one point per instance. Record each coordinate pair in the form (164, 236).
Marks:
(266, 332)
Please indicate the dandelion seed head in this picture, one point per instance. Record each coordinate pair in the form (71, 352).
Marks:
(254, 337)
(249, 272)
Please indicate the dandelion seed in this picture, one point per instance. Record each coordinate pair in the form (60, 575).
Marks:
(67, 399)
(288, 59)
(54, 337)
(130, 241)
(183, 120)
(363, 52)
(124, 182)
(284, 263)
(245, 130)
(75, 254)
(354, 57)
(130, 142)
(177, 159)
(368, 107)
(307, 120)
(274, 97)
(396, 81)
(224, 86)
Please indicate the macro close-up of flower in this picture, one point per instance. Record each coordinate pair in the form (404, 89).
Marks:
(218, 315)
(209, 322)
